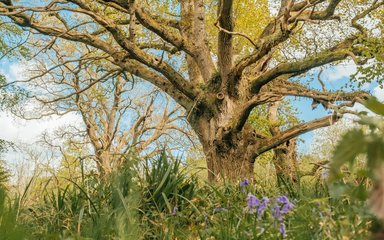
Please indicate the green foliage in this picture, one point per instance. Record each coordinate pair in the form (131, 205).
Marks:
(369, 142)
(287, 117)
(168, 189)
(351, 145)
(4, 176)
(372, 48)
(12, 41)
(88, 208)
(357, 141)
(10, 96)
(160, 199)
(330, 218)
(10, 227)
(248, 22)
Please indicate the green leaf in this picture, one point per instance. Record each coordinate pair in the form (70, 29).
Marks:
(350, 146)
(375, 106)
(375, 153)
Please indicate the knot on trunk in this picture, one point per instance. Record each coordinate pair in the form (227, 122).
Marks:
(220, 96)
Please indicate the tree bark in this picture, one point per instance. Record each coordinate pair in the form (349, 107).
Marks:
(285, 157)
(103, 160)
(285, 161)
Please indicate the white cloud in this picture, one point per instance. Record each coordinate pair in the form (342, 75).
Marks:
(28, 131)
(19, 71)
(379, 93)
(339, 72)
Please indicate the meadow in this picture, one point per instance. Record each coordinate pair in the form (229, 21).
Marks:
(164, 199)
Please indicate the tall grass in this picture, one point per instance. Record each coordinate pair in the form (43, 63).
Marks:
(161, 199)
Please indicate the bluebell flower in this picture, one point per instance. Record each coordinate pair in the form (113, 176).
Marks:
(282, 199)
(286, 204)
(252, 201)
(244, 183)
(263, 205)
(283, 230)
(276, 213)
(287, 207)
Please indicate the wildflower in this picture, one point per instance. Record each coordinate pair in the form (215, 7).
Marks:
(283, 230)
(281, 207)
(263, 205)
(282, 199)
(287, 207)
(244, 183)
(276, 213)
(252, 201)
(286, 204)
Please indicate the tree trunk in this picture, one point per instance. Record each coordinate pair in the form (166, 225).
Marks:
(229, 163)
(232, 154)
(229, 156)
(285, 161)
(103, 159)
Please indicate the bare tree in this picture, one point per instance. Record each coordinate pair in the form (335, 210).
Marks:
(217, 92)
(119, 114)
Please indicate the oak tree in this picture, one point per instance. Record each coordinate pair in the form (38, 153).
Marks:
(218, 73)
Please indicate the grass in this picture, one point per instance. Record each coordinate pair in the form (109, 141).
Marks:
(161, 199)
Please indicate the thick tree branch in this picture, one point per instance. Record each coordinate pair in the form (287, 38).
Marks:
(135, 52)
(337, 53)
(294, 132)
(285, 87)
(225, 45)
(192, 27)
(175, 78)
(244, 111)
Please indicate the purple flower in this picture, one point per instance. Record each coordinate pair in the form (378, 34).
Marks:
(285, 203)
(287, 207)
(252, 201)
(276, 213)
(263, 205)
(244, 183)
(283, 230)
(282, 199)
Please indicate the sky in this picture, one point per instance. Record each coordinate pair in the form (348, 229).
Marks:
(334, 77)
(16, 129)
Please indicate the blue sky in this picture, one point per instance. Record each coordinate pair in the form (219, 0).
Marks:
(334, 78)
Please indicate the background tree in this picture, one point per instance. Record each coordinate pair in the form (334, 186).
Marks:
(270, 120)
(217, 91)
(118, 113)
